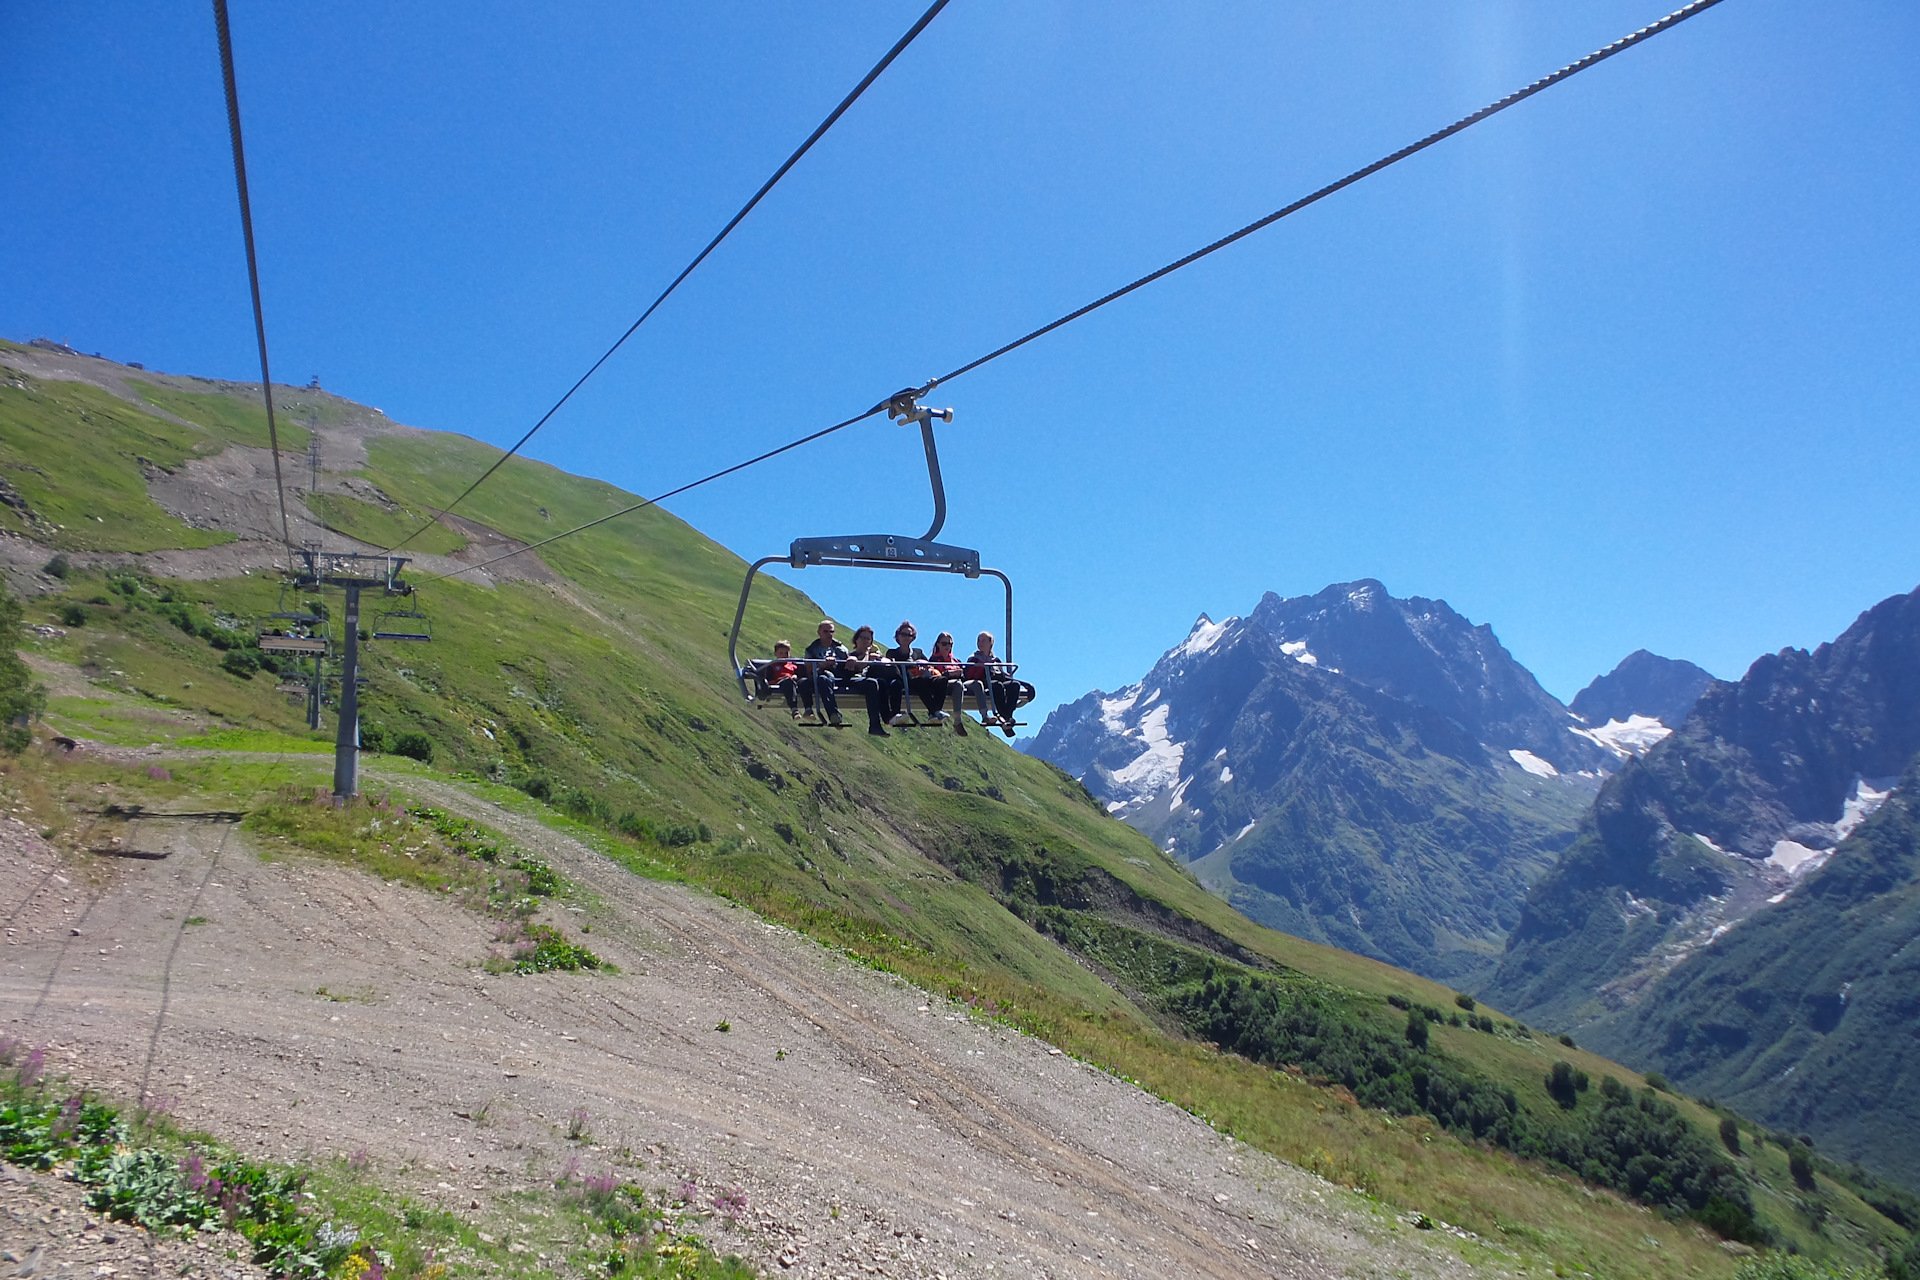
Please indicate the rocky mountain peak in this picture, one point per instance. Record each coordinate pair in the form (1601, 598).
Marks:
(1643, 685)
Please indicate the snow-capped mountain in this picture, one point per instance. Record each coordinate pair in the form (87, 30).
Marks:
(1639, 702)
(1374, 772)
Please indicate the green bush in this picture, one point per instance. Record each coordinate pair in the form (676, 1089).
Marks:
(72, 615)
(1730, 1134)
(414, 745)
(1464, 1000)
(58, 567)
(1416, 1029)
(240, 662)
(1800, 1164)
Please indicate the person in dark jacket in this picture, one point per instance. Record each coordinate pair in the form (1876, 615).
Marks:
(873, 663)
(835, 669)
(997, 681)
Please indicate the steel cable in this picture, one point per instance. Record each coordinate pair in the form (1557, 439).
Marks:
(253, 262)
(1519, 95)
(819, 132)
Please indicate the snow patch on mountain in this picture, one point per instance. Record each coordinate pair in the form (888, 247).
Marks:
(1298, 651)
(1179, 796)
(1634, 736)
(1206, 633)
(1226, 773)
(1795, 858)
(1868, 794)
(1532, 763)
(1158, 765)
(1114, 709)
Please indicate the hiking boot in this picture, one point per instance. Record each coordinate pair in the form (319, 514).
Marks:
(833, 718)
(900, 718)
(878, 731)
(939, 717)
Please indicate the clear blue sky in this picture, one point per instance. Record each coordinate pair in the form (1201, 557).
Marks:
(1632, 365)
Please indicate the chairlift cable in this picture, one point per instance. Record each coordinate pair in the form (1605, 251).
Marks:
(1519, 95)
(1545, 82)
(671, 493)
(819, 132)
(253, 262)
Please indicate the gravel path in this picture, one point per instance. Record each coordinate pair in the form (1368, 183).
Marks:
(301, 1010)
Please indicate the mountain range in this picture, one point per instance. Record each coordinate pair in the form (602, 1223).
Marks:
(1741, 908)
(1712, 879)
(1374, 772)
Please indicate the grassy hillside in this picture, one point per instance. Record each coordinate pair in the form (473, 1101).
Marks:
(600, 695)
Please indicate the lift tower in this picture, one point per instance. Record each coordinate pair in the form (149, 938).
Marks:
(352, 573)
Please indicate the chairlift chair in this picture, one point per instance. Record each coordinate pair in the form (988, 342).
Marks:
(878, 550)
(290, 630)
(408, 623)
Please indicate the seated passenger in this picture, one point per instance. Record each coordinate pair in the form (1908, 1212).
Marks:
(944, 666)
(931, 688)
(997, 680)
(824, 656)
(873, 663)
(783, 674)
(834, 669)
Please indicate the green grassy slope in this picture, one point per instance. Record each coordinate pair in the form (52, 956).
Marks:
(957, 862)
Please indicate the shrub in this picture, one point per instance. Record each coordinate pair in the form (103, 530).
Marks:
(414, 745)
(1567, 1040)
(1416, 1029)
(1562, 1084)
(1800, 1164)
(58, 567)
(1464, 1000)
(240, 662)
(1657, 1081)
(1730, 1133)
(72, 615)
(374, 737)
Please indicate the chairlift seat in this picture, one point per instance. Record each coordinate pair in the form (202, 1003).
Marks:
(402, 624)
(281, 642)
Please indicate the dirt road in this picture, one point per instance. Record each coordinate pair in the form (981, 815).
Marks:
(300, 1009)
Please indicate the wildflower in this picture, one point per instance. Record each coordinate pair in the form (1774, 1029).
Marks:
(732, 1202)
(32, 1066)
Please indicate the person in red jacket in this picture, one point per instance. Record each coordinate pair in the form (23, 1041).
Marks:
(783, 673)
(932, 688)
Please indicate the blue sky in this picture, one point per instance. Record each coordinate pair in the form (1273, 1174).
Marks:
(1631, 365)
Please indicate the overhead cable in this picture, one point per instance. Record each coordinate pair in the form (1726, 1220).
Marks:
(253, 262)
(819, 132)
(1545, 82)
(671, 493)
